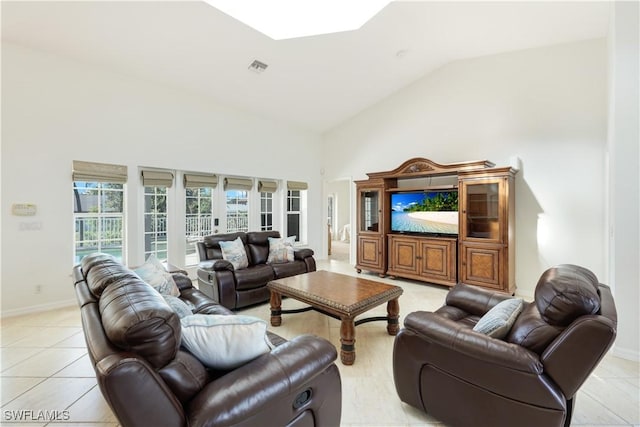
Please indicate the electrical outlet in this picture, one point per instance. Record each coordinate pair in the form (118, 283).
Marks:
(38, 289)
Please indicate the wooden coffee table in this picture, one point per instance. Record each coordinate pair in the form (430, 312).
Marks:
(339, 296)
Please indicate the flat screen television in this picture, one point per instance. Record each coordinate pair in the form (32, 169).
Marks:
(431, 212)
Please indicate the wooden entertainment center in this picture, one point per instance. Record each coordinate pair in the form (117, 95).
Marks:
(482, 253)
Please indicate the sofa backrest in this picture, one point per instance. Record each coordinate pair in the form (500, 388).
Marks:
(563, 294)
(209, 247)
(258, 245)
(134, 316)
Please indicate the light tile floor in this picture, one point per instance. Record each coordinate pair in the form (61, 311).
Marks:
(45, 371)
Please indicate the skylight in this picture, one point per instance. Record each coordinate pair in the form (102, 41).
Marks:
(287, 19)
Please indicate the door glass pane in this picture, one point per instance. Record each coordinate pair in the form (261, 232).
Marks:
(482, 211)
(369, 210)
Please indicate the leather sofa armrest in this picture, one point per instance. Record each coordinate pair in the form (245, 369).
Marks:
(182, 281)
(462, 339)
(261, 382)
(303, 253)
(216, 265)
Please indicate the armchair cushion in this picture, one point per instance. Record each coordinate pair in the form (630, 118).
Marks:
(497, 322)
(224, 342)
(253, 277)
(234, 252)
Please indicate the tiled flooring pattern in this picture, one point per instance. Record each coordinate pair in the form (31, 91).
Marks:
(45, 371)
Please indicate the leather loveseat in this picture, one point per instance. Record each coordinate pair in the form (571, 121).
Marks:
(240, 288)
(133, 339)
(529, 378)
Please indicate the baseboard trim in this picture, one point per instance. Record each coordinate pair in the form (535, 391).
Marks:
(38, 308)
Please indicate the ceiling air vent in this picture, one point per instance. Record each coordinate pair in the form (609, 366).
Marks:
(257, 66)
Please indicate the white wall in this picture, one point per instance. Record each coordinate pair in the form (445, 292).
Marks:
(624, 175)
(56, 110)
(547, 106)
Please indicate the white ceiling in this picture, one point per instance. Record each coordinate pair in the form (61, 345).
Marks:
(314, 82)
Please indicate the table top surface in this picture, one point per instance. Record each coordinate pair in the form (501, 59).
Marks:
(343, 294)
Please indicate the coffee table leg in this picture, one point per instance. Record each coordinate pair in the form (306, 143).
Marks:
(276, 309)
(348, 341)
(393, 311)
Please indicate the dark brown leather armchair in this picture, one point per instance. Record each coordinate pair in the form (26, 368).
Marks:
(465, 378)
(148, 379)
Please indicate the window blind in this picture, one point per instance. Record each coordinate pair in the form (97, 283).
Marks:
(157, 178)
(238, 184)
(99, 172)
(267, 186)
(200, 180)
(297, 185)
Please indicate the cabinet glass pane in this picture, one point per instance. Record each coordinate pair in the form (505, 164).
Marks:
(370, 201)
(482, 211)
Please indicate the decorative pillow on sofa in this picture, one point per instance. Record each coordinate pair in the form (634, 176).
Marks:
(154, 273)
(224, 341)
(234, 252)
(180, 307)
(281, 249)
(498, 321)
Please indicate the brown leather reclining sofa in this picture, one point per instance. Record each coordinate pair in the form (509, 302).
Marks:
(529, 378)
(240, 288)
(133, 339)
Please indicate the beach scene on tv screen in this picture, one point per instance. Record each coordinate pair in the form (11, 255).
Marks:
(428, 212)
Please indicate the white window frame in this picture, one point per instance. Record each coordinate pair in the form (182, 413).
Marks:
(204, 225)
(302, 212)
(228, 217)
(265, 198)
(100, 216)
(167, 222)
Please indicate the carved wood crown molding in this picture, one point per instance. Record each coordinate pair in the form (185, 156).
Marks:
(417, 167)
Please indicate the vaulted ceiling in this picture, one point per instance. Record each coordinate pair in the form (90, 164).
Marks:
(313, 82)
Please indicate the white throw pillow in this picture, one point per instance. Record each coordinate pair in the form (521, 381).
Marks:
(498, 321)
(154, 273)
(234, 252)
(224, 341)
(281, 249)
(180, 307)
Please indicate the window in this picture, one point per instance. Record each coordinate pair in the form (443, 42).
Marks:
(99, 218)
(155, 222)
(266, 211)
(199, 219)
(199, 193)
(296, 210)
(293, 214)
(98, 209)
(156, 184)
(237, 195)
(266, 189)
(237, 210)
